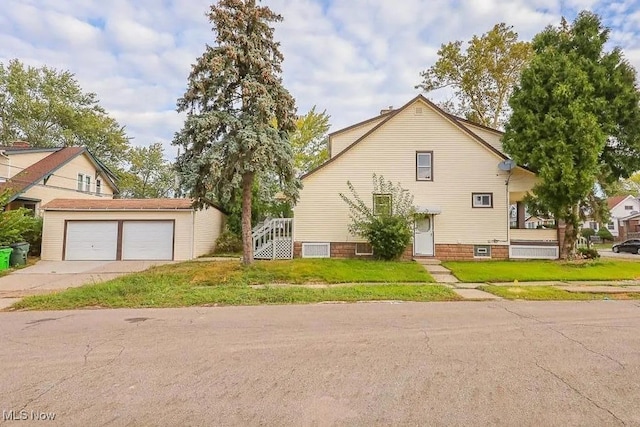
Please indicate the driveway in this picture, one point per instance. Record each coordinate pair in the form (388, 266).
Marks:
(608, 253)
(47, 276)
(462, 364)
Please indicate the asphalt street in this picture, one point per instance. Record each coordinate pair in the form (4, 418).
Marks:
(454, 364)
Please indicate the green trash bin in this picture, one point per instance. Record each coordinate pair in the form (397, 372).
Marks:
(19, 254)
(5, 255)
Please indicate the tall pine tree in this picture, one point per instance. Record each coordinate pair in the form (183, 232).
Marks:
(576, 118)
(239, 114)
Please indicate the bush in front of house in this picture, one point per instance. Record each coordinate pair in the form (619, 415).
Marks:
(605, 234)
(389, 227)
(17, 225)
(389, 236)
(33, 236)
(588, 253)
(228, 243)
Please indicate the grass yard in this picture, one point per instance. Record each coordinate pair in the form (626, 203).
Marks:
(550, 293)
(530, 271)
(228, 283)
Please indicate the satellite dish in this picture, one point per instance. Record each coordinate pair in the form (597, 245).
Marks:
(507, 165)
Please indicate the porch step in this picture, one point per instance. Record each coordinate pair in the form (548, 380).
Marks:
(427, 261)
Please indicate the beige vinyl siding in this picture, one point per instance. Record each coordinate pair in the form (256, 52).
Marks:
(534, 234)
(53, 228)
(493, 138)
(19, 161)
(461, 166)
(67, 176)
(207, 228)
(343, 139)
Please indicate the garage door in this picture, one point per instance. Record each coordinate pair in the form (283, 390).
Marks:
(91, 240)
(147, 240)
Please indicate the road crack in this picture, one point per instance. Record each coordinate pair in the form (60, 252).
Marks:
(579, 393)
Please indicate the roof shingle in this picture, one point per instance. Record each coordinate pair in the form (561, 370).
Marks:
(119, 204)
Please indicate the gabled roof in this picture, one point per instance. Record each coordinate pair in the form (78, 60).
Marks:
(614, 201)
(119, 204)
(38, 171)
(389, 116)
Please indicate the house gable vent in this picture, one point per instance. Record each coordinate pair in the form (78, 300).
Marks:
(418, 111)
(316, 250)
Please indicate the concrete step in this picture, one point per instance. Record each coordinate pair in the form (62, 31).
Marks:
(427, 261)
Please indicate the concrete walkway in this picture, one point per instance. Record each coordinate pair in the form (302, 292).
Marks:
(443, 275)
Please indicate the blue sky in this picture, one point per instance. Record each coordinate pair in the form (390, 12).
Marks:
(348, 57)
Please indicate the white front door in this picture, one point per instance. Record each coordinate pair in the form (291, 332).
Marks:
(423, 236)
(147, 240)
(91, 241)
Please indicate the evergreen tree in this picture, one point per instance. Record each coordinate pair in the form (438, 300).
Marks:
(239, 115)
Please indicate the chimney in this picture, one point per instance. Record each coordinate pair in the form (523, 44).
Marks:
(20, 144)
(386, 111)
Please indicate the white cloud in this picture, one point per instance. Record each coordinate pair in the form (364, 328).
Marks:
(350, 57)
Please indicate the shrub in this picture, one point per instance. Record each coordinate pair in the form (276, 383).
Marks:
(389, 229)
(389, 236)
(228, 243)
(588, 253)
(587, 233)
(16, 225)
(33, 236)
(605, 234)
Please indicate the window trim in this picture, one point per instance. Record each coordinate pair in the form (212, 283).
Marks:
(475, 251)
(98, 187)
(473, 201)
(363, 253)
(80, 182)
(373, 210)
(87, 183)
(431, 166)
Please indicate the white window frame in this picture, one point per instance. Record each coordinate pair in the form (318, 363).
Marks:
(477, 249)
(364, 253)
(98, 187)
(479, 197)
(87, 183)
(80, 182)
(386, 195)
(611, 226)
(419, 167)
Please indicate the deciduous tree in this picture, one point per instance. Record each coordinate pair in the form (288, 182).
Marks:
(575, 119)
(148, 174)
(482, 76)
(239, 114)
(48, 108)
(309, 140)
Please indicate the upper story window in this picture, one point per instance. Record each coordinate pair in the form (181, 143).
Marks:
(382, 204)
(84, 182)
(482, 200)
(424, 166)
(98, 186)
(628, 207)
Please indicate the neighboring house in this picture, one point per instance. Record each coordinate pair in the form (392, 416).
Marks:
(128, 229)
(620, 207)
(450, 165)
(35, 176)
(538, 222)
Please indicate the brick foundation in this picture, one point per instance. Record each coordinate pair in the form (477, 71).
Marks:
(455, 252)
(444, 252)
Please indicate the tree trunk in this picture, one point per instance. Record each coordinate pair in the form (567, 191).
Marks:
(247, 241)
(571, 234)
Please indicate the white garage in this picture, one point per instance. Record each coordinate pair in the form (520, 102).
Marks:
(128, 229)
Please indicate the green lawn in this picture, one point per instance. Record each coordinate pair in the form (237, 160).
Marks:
(528, 271)
(549, 293)
(228, 283)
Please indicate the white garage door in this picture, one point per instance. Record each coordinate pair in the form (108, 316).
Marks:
(91, 240)
(147, 240)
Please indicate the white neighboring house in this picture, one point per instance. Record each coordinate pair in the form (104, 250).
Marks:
(621, 207)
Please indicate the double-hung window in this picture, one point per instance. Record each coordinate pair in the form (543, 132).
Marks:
(382, 204)
(80, 182)
(482, 200)
(98, 186)
(424, 166)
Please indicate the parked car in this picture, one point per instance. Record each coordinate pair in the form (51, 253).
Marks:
(632, 246)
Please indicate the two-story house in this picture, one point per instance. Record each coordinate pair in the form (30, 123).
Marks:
(621, 207)
(462, 181)
(35, 176)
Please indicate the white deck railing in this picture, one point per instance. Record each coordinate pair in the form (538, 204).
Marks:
(273, 239)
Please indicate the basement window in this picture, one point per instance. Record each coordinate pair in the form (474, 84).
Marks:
(482, 251)
(364, 249)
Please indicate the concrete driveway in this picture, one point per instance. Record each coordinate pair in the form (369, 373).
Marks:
(608, 253)
(47, 276)
(456, 364)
